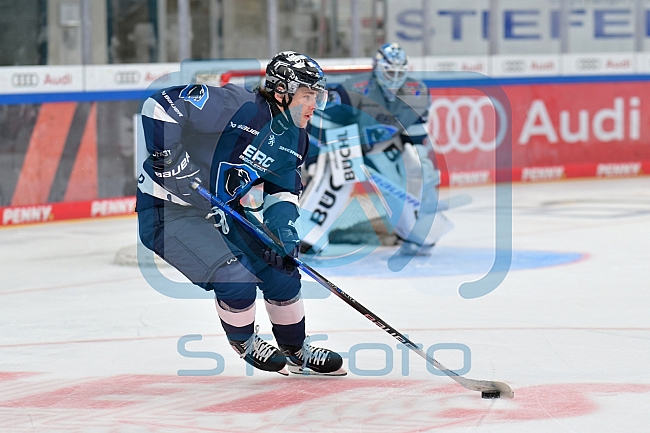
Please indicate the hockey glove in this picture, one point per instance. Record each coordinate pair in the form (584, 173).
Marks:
(175, 171)
(281, 225)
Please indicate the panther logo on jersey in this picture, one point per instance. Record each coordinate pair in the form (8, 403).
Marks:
(236, 180)
(195, 94)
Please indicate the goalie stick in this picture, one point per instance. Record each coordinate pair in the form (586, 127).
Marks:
(382, 183)
(488, 388)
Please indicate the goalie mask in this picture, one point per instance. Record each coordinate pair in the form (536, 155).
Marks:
(288, 71)
(390, 66)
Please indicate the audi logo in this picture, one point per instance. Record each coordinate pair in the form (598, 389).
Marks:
(127, 77)
(514, 66)
(588, 64)
(25, 79)
(447, 66)
(464, 124)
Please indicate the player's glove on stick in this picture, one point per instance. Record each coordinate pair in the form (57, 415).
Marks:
(280, 220)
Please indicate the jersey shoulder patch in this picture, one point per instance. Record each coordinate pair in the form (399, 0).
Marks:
(195, 94)
(362, 87)
(415, 88)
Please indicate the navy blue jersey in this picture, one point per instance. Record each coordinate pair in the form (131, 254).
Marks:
(231, 136)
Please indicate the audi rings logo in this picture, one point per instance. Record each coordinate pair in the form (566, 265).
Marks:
(127, 77)
(514, 66)
(460, 124)
(24, 79)
(448, 66)
(588, 64)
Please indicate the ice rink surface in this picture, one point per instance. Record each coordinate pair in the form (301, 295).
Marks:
(87, 345)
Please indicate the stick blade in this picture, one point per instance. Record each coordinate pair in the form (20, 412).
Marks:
(487, 388)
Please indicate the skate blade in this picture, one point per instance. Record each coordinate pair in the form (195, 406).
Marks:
(297, 369)
(284, 371)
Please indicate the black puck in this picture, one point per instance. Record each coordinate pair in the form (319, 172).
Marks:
(491, 394)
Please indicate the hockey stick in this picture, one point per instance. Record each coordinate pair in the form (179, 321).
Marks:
(488, 388)
(383, 183)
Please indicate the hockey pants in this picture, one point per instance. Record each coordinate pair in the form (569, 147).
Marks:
(231, 265)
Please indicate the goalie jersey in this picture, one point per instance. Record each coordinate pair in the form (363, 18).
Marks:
(379, 113)
(230, 135)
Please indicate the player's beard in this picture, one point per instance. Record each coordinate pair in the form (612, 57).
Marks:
(296, 115)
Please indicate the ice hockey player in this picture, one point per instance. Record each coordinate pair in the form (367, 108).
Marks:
(229, 140)
(388, 111)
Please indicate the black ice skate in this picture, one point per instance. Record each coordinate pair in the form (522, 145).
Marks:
(260, 354)
(312, 360)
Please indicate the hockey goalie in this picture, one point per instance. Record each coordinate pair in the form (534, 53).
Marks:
(372, 138)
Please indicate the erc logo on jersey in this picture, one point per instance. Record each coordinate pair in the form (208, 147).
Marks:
(195, 94)
(256, 158)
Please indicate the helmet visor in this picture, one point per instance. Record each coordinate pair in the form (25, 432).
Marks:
(321, 99)
(320, 94)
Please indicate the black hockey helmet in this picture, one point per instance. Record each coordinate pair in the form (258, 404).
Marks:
(289, 70)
